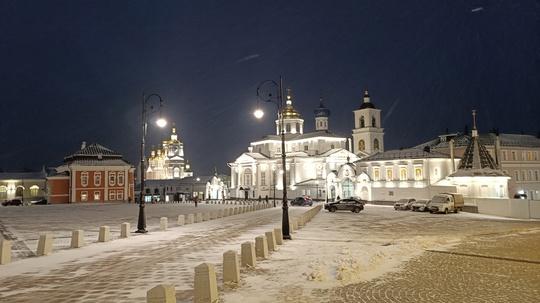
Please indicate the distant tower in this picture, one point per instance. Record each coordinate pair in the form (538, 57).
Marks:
(321, 115)
(368, 134)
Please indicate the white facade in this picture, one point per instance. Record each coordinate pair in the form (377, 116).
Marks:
(168, 161)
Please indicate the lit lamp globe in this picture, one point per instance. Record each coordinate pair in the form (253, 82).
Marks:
(258, 113)
(161, 122)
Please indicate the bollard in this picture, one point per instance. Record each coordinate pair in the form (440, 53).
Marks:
(271, 240)
(261, 247)
(104, 234)
(213, 215)
(295, 223)
(163, 223)
(231, 271)
(190, 219)
(205, 288)
(44, 245)
(220, 213)
(161, 294)
(77, 238)
(124, 230)
(248, 254)
(198, 217)
(206, 216)
(5, 251)
(181, 219)
(279, 235)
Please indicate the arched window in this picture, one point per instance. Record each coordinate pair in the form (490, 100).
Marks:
(298, 127)
(373, 122)
(34, 190)
(361, 145)
(389, 175)
(362, 122)
(19, 191)
(3, 192)
(376, 144)
(376, 174)
(403, 174)
(288, 127)
(176, 172)
(418, 174)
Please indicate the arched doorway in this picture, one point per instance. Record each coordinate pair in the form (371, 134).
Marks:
(348, 188)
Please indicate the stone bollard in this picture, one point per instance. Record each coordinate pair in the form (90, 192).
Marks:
(77, 238)
(295, 223)
(104, 234)
(44, 245)
(271, 240)
(124, 230)
(249, 258)
(205, 286)
(213, 215)
(206, 216)
(163, 223)
(181, 219)
(161, 294)
(198, 217)
(261, 247)
(279, 235)
(190, 219)
(231, 271)
(220, 213)
(5, 251)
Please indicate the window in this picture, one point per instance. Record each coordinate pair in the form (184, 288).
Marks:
(19, 191)
(517, 175)
(361, 145)
(305, 148)
(3, 192)
(112, 195)
(362, 122)
(436, 173)
(523, 176)
(402, 173)
(84, 179)
(84, 196)
(288, 127)
(112, 178)
(536, 175)
(514, 158)
(263, 178)
(376, 144)
(523, 156)
(418, 174)
(97, 196)
(248, 177)
(298, 127)
(34, 190)
(121, 178)
(97, 179)
(376, 174)
(373, 122)
(389, 176)
(332, 146)
(504, 155)
(119, 195)
(529, 156)
(176, 172)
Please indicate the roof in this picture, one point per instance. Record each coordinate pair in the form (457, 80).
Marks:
(487, 139)
(23, 175)
(95, 155)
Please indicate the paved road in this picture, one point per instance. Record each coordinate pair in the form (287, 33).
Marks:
(489, 260)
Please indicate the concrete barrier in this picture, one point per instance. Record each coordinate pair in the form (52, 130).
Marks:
(44, 245)
(5, 251)
(161, 294)
(220, 213)
(104, 234)
(163, 223)
(248, 256)
(271, 240)
(190, 219)
(278, 233)
(213, 215)
(261, 247)
(77, 238)
(231, 270)
(205, 289)
(198, 218)
(124, 230)
(181, 220)
(206, 216)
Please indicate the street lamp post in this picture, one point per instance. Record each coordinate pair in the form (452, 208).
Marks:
(141, 224)
(258, 113)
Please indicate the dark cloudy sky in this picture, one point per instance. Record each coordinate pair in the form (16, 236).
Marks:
(74, 71)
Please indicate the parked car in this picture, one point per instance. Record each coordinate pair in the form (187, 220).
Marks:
(346, 204)
(40, 202)
(420, 205)
(302, 201)
(16, 202)
(403, 204)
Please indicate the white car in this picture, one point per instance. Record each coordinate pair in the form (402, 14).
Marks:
(420, 205)
(403, 204)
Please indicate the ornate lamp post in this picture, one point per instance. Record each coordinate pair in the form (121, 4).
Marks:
(259, 113)
(141, 224)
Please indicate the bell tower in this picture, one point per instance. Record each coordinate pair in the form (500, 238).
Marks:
(368, 134)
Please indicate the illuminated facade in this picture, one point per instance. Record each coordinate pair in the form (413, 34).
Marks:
(168, 161)
(25, 186)
(318, 164)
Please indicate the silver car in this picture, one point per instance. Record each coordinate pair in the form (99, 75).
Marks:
(403, 204)
(420, 205)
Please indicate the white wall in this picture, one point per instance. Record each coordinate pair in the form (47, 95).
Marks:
(509, 208)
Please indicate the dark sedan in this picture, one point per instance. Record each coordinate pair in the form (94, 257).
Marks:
(346, 204)
(302, 201)
(15, 202)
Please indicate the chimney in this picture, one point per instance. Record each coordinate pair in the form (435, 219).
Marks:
(83, 146)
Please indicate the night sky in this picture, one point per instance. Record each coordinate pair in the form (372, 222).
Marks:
(74, 71)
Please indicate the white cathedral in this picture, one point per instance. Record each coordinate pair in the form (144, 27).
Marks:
(318, 164)
(168, 161)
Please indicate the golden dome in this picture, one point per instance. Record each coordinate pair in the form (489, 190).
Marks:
(289, 112)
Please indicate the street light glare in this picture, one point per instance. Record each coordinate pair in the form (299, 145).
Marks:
(161, 122)
(258, 113)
